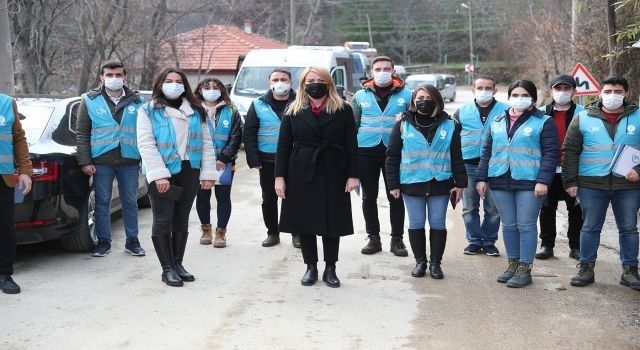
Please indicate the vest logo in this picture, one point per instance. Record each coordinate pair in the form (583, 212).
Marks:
(225, 123)
(631, 129)
(594, 129)
(443, 134)
(410, 134)
(365, 105)
(3, 121)
(265, 109)
(101, 110)
(527, 131)
(131, 109)
(636, 158)
(401, 101)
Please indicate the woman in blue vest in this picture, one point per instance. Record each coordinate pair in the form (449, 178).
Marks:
(178, 158)
(424, 164)
(519, 162)
(225, 127)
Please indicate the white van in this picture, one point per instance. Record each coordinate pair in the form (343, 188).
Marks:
(253, 77)
(444, 82)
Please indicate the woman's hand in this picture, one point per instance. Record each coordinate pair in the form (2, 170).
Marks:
(280, 187)
(352, 184)
(395, 193)
(458, 192)
(206, 184)
(540, 190)
(481, 187)
(162, 185)
(220, 166)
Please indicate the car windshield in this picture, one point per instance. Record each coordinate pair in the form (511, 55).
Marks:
(413, 84)
(254, 81)
(34, 119)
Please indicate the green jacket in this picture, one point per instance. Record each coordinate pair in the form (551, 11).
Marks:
(572, 149)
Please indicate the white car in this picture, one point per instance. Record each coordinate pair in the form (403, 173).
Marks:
(444, 82)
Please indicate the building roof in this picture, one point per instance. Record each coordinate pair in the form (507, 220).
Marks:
(222, 47)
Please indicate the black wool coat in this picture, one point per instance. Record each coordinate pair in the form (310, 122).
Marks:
(316, 156)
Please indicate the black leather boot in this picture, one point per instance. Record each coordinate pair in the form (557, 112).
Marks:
(329, 276)
(162, 245)
(437, 241)
(418, 243)
(179, 245)
(311, 276)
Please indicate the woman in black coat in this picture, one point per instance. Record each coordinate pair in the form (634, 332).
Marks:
(316, 168)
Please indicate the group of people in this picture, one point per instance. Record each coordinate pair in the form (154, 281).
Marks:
(312, 149)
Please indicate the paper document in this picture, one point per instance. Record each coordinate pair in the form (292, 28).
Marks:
(625, 159)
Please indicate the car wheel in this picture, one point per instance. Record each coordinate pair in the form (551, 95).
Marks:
(85, 239)
(452, 99)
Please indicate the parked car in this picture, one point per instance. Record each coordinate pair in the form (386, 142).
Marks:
(61, 202)
(444, 82)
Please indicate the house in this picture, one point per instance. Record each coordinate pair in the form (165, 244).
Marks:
(214, 50)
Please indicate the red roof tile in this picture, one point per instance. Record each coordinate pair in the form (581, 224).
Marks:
(222, 47)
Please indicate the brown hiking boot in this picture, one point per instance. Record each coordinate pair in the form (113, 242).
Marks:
(220, 241)
(206, 234)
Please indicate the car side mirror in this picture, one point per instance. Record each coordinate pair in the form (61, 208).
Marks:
(340, 90)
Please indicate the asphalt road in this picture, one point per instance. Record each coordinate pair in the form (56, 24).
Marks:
(246, 296)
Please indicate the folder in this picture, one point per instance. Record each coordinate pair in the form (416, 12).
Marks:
(625, 159)
(227, 175)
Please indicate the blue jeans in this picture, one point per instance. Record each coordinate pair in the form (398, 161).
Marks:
(519, 214)
(484, 234)
(127, 176)
(419, 206)
(625, 205)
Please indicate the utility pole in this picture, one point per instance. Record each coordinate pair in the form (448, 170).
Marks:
(574, 29)
(471, 56)
(370, 35)
(6, 57)
(292, 20)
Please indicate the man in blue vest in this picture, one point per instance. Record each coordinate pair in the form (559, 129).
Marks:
(376, 107)
(14, 153)
(561, 109)
(475, 119)
(589, 147)
(261, 130)
(107, 150)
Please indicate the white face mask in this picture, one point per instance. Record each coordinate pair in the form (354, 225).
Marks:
(211, 95)
(562, 97)
(172, 90)
(612, 101)
(281, 88)
(484, 96)
(114, 84)
(520, 103)
(382, 78)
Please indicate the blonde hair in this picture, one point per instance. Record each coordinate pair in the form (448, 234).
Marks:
(334, 102)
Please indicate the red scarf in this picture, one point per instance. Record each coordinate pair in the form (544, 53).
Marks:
(316, 110)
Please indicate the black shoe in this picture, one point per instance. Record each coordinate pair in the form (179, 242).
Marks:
(574, 253)
(544, 253)
(8, 286)
(491, 250)
(437, 242)
(329, 276)
(436, 271)
(179, 245)
(164, 250)
(102, 248)
(420, 269)
(311, 276)
(397, 247)
(295, 241)
(132, 246)
(271, 241)
(373, 246)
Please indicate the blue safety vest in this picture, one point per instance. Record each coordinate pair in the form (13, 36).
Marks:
(598, 148)
(375, 124)
(474, 133)
(7, 117)
(421, 161)
(522, 154)
(221, 131)
(106, 133)
(166, 140)
(269, 129)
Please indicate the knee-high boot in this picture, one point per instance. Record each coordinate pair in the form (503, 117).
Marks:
(418, 242)
(179, 245)
(437, 241)
(162, 245)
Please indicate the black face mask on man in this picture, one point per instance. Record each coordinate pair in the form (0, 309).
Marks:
(426, 107)
(316, 90)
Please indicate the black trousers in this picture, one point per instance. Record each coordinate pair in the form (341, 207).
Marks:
(7, 230)
(548, 216)
(269, 198)
(309, 247)
(370, 168)
(173, 216)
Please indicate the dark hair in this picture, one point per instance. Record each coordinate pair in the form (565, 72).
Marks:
(435, 95)
(382, 59)
(111, 65)
(615, 80)
(224, 95)
(527, 85)
(159, 100)
(280, 70)
(484, 77)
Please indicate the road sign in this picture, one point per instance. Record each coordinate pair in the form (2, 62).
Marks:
(468, 68)
(586, 84)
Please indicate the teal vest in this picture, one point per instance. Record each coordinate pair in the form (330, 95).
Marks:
(597, 147)
(269, 129)
(7, 117)
(166, 142)
(474, 133)
(421, 161)
(375, 124)
(522, 154)
(106, 133)
(221, 131)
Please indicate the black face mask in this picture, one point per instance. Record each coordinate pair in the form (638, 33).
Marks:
(426, 107)
(316, 90)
